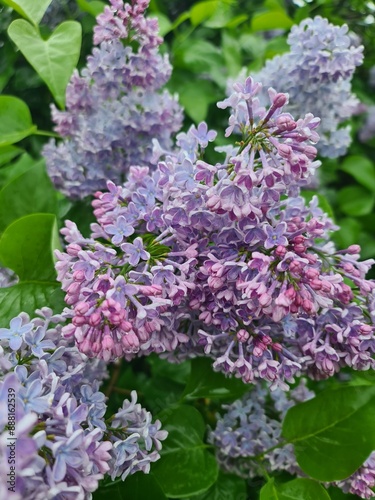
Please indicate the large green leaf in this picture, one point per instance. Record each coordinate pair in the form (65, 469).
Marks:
(30, 192)
(356, 200)
(273, 19)
(26, 247)
(7, 154)
(298, 489)
(53, 59)
(94, 7)
(139, 486)
(334, 433)
(227, 486)
(362, 169)
(15, 120)
(30, 9)
(27, 297)
(186, 467)
(204, 382)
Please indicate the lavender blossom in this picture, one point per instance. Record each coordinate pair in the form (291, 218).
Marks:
(115, 107)
(238, 267)
(64, 445)
(317, 73)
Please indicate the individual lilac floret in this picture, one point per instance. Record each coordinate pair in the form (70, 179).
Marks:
(116, 107)
(64, 446)
(317, 73)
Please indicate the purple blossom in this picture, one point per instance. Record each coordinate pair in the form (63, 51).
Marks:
(15, 332)
(275, 235)
(135, 251)
(120, 230)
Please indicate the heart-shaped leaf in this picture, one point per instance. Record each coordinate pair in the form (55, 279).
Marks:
(15, 120)
(32, 10)
(54, 59)
(26, 247)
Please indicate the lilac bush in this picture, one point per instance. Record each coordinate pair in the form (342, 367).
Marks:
(231, 250)
(64, 443)
(115, 107)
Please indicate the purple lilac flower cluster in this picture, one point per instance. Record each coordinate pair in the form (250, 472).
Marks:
(64, 444)
(317, 73)
(222, 260)
(247, 439)
(115, 107)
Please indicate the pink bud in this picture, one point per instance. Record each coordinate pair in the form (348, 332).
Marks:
(243, 335)
(73, 249)
(107, 342)
(95, 319)
(82, 308)
(353, 249)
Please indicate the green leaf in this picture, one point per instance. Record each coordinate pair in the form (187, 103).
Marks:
(232, 53)
(186, 467)
(30, 9)
(269, 491)
(94, 7)
(54, 59)
(362, 169)
(30, 192)
(298, 489)
(349, 232)
(334, 433)
(13, 170)
(26, 247)
(356, 200)
(273, 19)
(227, 486)
(196, 99)
(138, 486)
(8, 153)
(15, 120)
(202, 11)
(27, 297)
(204, 382)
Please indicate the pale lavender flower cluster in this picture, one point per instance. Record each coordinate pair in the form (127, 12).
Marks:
(317, 73)
(247, 439)
(115, 107)
(247, 436)
(222, 260)
(63, 444)
(367, 131)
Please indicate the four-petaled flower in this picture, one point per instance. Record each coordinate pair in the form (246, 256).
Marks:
(275, 236)
(15, 333)
(135, 251)
(120, 230)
